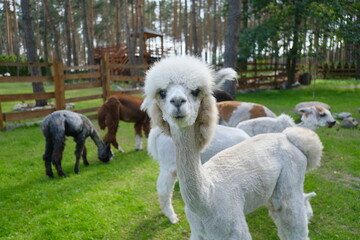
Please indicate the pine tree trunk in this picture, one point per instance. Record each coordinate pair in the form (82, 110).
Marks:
(74, 36)
(293, 54)
(118, 21)
(54, 31)
(231, 43)
(215, 33)
(195, 50)
(129, 43)
(67, 26)
(30, 49)
(9, 47)
(89, 48)
(186, 33)
(16, 32)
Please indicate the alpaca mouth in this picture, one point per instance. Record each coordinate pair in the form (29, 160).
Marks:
(331, 124)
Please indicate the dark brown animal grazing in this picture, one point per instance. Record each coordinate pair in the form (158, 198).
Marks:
(125, 108)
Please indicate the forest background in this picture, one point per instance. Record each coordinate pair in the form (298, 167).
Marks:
(225, 32)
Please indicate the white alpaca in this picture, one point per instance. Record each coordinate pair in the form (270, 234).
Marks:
(268, 169)
(312, 117)
(161, 148)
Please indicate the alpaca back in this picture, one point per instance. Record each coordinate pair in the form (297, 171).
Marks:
(266, 125)
(307, 142)
(109, 113)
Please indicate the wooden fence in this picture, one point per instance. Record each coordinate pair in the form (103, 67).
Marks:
(64, 79)
(261, 75)
(337, 70)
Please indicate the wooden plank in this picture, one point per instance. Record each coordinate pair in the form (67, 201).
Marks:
(123, 78)
(84, 98)
(92, 116)
(136, 91)
(259, 64)
(82, 75)
(261, 70)
(83, 85)
(87, 110)
(256, 77)
(127, 66)
(11, 117)
(26, 96)
(29, 79)
(25, 64)
(86, 67)
(126, 78)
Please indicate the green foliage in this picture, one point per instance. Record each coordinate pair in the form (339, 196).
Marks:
(119, 200)
(23, 71)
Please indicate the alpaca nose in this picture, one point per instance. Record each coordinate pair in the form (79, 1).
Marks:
(177, 101)
(331, 124)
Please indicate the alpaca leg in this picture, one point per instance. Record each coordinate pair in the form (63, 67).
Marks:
(138, 145)
(80, 143)
(165, 187)
(138, 136)
(110, 137)
(84, 156)
(57, 157)
(47, 157)
(290, 218)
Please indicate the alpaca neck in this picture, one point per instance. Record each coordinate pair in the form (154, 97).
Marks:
(97, 140)
(307, 125)
(194, 183)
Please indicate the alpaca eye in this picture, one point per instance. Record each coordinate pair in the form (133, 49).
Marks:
(162, 94)
(195, 92)
(322, 114)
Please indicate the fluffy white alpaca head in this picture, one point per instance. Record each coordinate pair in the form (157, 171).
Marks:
(178, 93)
(316, 116)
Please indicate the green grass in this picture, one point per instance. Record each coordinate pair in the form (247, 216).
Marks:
(119, 201)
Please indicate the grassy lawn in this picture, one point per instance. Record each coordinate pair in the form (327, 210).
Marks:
(119, 201)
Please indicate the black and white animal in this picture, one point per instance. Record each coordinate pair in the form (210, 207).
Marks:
(265, 170)
(59, 124)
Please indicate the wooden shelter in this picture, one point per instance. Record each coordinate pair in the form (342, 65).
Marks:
(153, 49)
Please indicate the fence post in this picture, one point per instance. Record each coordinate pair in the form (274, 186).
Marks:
(276, 73)
(59, 84)
(105, 72)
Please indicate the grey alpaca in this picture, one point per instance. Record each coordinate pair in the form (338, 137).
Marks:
(59, 124)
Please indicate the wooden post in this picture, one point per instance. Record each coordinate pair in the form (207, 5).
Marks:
(59, 84)
(105, 76)
(276, 75)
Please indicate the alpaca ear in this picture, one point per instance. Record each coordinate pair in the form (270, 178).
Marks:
(207, 118)
(153, 110)
(305, 110)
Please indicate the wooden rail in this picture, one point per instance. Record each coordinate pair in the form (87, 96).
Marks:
(67, 78)
(259, 75)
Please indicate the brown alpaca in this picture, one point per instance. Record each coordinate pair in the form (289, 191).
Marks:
(125, 108)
